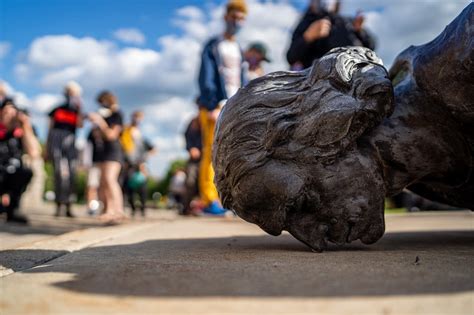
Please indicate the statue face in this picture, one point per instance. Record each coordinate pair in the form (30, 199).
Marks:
(340, 203)
(344, 200)
(287, 151)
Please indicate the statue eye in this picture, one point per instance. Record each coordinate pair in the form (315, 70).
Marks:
(297, 203)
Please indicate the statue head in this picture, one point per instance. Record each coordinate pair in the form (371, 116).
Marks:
(288, 156)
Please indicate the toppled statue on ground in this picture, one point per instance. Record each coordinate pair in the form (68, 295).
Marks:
(316, 152)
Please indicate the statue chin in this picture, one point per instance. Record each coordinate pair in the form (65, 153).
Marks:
(341, 203)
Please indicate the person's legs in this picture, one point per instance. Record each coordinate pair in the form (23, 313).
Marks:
(16, 184)
(207, 189)
(131, 199)
(92, 190)
(114, 192)
(58, 179)
(103, 189)
(71, 183)
(68, 182)
(129, 193)
(142, 195)
(192, 188)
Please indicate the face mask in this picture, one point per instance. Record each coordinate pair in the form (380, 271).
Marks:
(104, 112)
(327, 5)
(233, 27)
(253, 61)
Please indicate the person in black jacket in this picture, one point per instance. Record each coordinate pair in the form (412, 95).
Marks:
(322, 29)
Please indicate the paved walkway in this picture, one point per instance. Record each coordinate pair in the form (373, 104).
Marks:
(169, 265)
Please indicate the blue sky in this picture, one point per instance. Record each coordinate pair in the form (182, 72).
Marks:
(21, 21)
(147, 51)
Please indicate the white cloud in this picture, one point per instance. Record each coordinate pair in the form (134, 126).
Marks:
(130, 36)
(4, 49)
(169, 115)
(192, 13)
(20, 98)
(193, 22)
(164, 124)
(163, 81)
(54, 52)
(38, 106)
(22, 71)
(45, 102)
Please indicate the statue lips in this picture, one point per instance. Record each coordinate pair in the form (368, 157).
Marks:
(373, 233)
(315, 237)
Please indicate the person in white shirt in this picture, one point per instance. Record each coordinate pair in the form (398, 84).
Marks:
(220, 76)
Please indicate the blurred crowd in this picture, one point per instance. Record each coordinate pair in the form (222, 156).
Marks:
(118, 152)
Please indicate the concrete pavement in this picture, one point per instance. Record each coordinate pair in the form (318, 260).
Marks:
(170, 265)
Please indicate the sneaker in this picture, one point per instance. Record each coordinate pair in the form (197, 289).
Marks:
(215, 209)
(93, 208)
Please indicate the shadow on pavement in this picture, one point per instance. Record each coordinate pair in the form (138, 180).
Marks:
(44, 228)
(18, 260)
(265, 266)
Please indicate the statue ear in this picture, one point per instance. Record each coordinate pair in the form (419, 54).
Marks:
(332, 127)
(357, 95)
(328, 126)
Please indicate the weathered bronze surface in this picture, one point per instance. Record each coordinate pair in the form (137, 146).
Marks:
(316, 152)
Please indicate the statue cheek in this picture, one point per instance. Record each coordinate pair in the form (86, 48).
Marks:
(264, 196)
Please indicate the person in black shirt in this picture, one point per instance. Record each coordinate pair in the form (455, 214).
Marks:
(108, 124)
(322, 29)
(61, 146)
(16, 139)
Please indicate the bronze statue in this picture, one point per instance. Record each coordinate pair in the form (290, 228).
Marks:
(316, 152)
